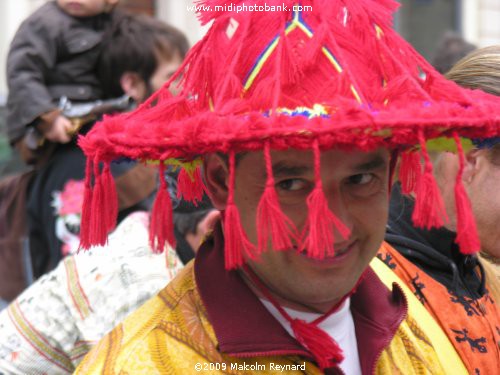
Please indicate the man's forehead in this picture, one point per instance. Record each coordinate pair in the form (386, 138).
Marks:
(349, 159)
(304, 159)
(296, 162)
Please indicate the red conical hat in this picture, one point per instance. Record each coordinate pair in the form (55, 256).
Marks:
(334, 75)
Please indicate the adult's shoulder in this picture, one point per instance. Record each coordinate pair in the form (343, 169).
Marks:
(117, 278)
(38, 329)
(161, 324)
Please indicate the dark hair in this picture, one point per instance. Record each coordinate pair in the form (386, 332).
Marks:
(451, 48)
(494, 155)
(188, 222)
(135, 43)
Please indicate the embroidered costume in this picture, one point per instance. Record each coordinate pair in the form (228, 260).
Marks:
(88, 294)
(202, 317)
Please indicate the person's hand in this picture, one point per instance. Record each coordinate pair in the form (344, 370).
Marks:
(59, 131)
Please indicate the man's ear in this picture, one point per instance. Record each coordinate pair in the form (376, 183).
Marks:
(216, 177)
(131, 84)
(472, 159)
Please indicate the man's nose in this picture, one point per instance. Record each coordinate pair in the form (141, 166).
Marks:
(339, 207)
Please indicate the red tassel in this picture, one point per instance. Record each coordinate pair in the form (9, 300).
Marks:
(85, 242)
(321, 222)
(161, 227)
(98, 229)
(270, 218)
(190, 187)
(429, 211)
(324, 349)
(410, 171)
(467, 237)
(237, 244)
(110, 198)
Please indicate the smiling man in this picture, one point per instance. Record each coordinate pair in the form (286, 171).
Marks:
(292, 122)
(356, 186)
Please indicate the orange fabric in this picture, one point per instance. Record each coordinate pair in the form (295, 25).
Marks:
(473, 327)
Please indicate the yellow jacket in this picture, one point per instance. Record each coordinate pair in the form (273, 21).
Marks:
(175, 333)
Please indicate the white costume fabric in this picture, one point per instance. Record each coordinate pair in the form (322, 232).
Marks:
(51, 326)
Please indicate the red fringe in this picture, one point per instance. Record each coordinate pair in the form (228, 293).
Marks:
(110, 198)
(324, 349)
(98, 229)
(271, 221)
(85, 242)
(190, 187)
(410, 171)
(161, 227)
(236, 241)
(320, 226)
(467, 236)
(270, 218)
(321, 222)
(429, 211)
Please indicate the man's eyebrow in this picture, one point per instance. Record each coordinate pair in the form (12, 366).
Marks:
(376, 162)
(283, 169)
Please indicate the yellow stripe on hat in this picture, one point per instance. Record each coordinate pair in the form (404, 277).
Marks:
(297, 22)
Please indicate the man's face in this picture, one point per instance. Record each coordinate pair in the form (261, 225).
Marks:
(356, 187)
(164, 71)
(86, 8)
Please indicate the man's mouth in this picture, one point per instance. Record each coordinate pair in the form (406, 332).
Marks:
(342, 251)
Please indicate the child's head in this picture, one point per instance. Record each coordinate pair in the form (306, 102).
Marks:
(86, 8)
(141, 45)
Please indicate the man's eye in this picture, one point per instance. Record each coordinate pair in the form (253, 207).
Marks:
(364, 185)
(292, 184)
(361, 179)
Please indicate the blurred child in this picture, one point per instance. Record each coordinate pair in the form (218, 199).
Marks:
(53, 54)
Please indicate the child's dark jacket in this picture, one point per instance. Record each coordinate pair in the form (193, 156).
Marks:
(52, 55)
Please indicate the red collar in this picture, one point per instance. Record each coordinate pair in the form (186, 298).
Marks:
(245, 328)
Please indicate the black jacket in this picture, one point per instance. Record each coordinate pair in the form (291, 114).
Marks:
(433, 251)
(52, 55)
